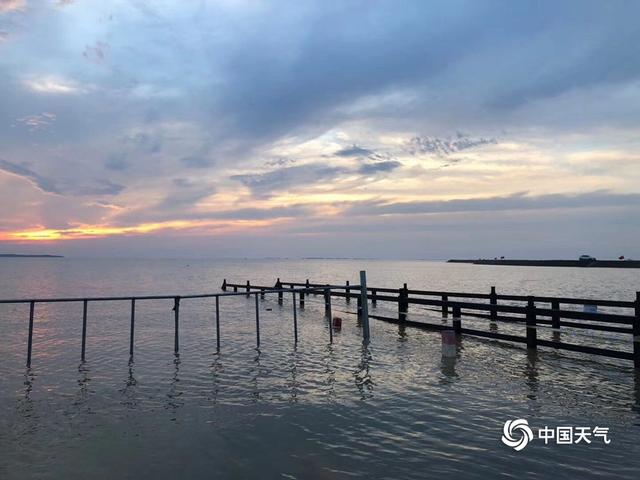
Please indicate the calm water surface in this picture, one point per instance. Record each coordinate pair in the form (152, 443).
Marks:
(392, 409)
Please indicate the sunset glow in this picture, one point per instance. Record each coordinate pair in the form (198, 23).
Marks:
(228, 125)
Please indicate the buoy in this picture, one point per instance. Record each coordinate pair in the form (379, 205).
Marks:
(448, 343)
(337, 323)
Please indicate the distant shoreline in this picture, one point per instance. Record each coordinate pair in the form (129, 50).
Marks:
(16, 255)
(555, 263)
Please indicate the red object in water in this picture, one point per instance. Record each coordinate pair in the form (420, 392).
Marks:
(448, 337)
(337, 322)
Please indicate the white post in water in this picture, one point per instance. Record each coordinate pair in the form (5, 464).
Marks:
(365, 304)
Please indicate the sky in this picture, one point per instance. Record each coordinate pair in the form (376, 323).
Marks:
(377, 129)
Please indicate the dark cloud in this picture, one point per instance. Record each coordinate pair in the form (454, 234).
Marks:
(266, 184)
(516, 201)
(63, 186)
(196, 162)
(379, 167)
(96, 53)
(117, 162)
(354, 151)
(445, 146)
(93, 187)
(43, 183)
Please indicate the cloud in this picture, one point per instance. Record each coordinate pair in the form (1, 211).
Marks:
(7, 6)
(354, 151)
(64, 186)
(38, 121)
(52, 85)
(44, 184)
(195, 161)
(117, 162)
(516, 201)
(445, 146)
(265, 184)
(378, 167)
(96, 53)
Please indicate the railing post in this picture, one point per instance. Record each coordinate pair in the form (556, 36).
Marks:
(235, 288)
(218, 322)
(279, 287)
(457, 320)
(132, 328)
(295, 317)
(30, 339)
(176, 310)
(403, 304)
(248, 288)
(636, 333)
(262, 293)
(555, 316)
(374, 297)
(364, 305)
(257, 324)
(327, 303)
(347, 291)
(445, 307)
(493, 300)
(84, 329)
(224, 285)
(532, 334)
(301, 299)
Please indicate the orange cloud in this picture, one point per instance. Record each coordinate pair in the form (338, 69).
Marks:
(98, 231)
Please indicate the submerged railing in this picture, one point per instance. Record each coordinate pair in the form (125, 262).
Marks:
(176, 309)
(520, 309)
(529, 313)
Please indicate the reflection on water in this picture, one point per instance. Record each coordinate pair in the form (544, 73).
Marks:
(531, 374)
(391, 408)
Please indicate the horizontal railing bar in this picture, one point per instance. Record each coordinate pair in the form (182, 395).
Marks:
(520, 298)
(155, 297)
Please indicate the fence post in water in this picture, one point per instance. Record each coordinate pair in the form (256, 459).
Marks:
(445, 307)
(295, 317)
(493, 300)
(176, 309)
(224, 285)
(555, 316)
(84, 329)
(636, 334)
(218, 322)
(262, 293)
(301, 299)
(279, 287)
(248, 287)
(364, 305)
(374, 297)
(257, 324)
(347, 291)
(403, 304)
(132, 328)
(532, 334)
(30, 341)
(457, 320)
(327, 303)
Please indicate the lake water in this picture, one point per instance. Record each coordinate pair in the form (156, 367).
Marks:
(392, 409)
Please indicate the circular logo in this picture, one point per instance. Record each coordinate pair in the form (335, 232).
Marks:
(516, 434)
